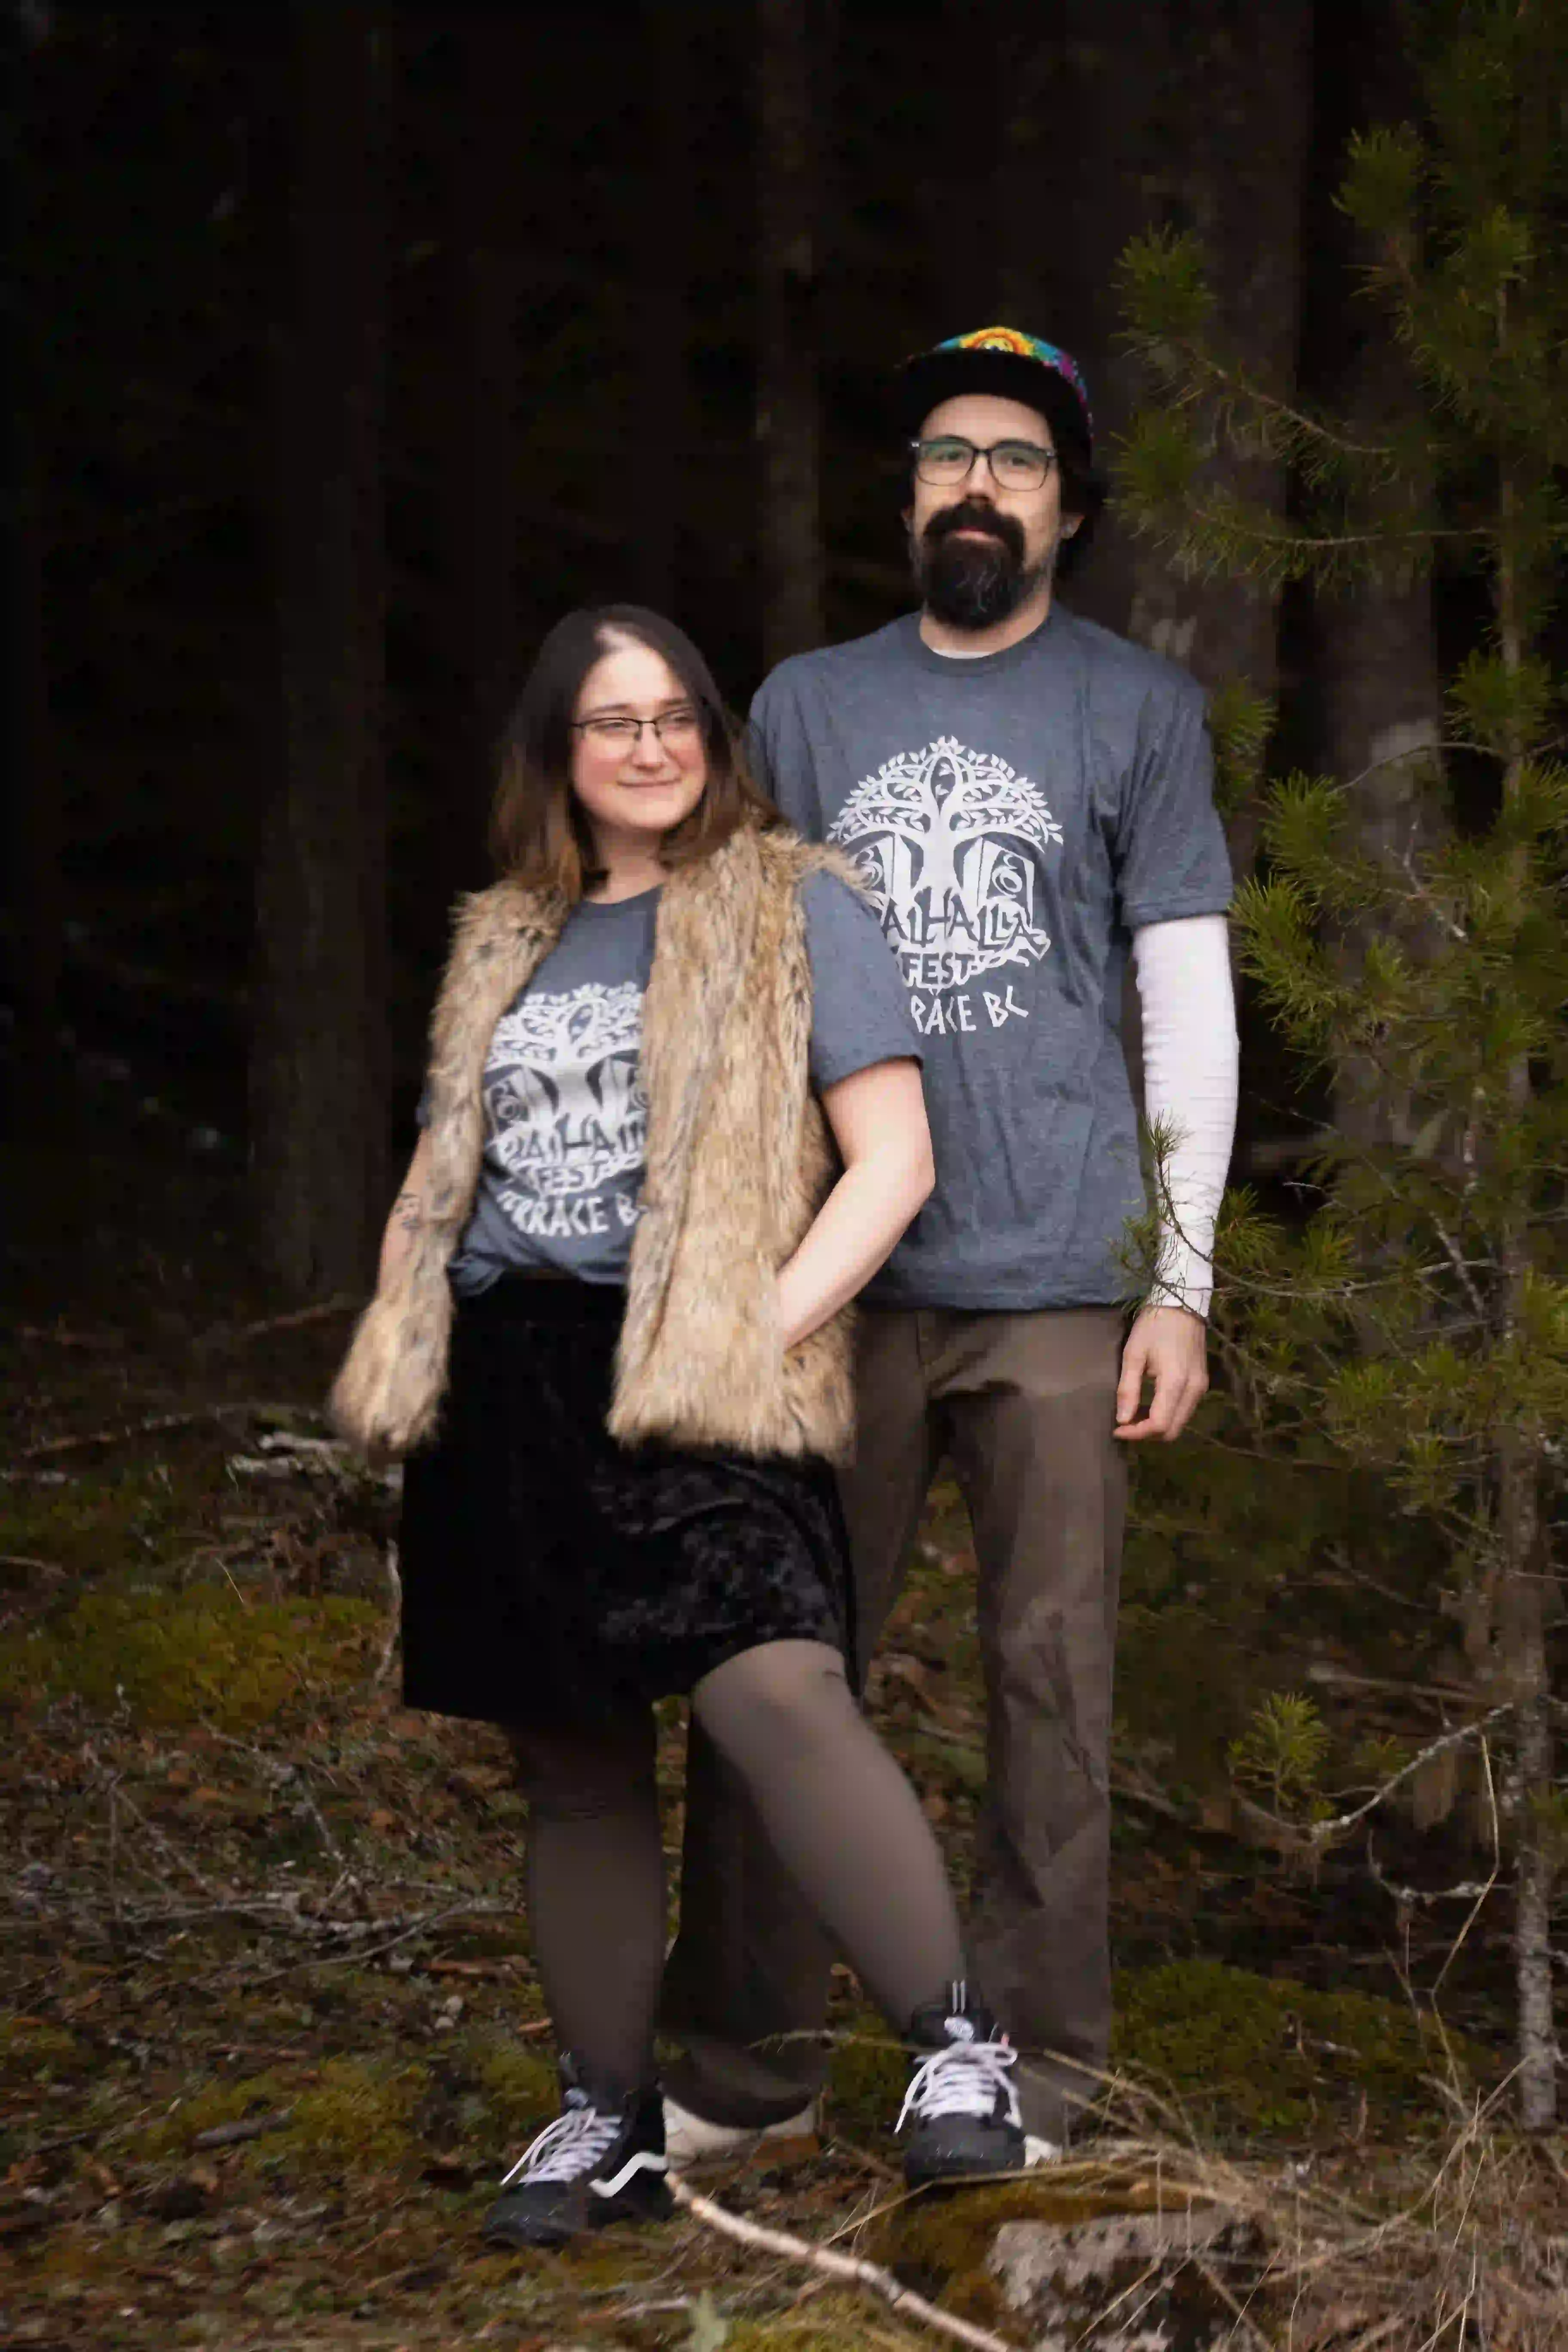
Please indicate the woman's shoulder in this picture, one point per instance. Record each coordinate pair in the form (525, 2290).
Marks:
(485, 917)
(800, 863)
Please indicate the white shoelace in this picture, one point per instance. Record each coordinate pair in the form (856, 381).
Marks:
(567, 2148)
(962, 2080)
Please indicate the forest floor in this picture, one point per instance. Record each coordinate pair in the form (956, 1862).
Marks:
(269, 2029)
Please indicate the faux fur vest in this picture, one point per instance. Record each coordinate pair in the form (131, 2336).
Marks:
(739, 1160)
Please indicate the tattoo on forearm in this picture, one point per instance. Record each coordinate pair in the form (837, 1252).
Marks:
(409, 1209)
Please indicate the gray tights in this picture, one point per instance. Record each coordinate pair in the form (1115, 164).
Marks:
(843, 1819)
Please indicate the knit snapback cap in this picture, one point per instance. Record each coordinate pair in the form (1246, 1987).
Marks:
(1009, 363)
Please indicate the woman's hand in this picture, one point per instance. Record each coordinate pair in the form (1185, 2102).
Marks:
(879, 1122)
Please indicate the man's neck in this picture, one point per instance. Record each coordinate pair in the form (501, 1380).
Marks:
(1031, 614)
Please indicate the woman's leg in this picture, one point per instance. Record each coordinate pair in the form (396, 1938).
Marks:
(596, 1890)
(845, 1820)
(596, 1899)
(848, 1827)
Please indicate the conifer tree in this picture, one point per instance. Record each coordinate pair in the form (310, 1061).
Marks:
(1419, 1321)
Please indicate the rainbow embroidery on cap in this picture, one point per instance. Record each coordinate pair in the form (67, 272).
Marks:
(1023, 347)
(999, 339)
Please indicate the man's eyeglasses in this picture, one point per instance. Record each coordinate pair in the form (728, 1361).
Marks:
(676, 729)
(950, 459)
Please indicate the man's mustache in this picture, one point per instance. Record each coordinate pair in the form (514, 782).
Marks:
(969, 514)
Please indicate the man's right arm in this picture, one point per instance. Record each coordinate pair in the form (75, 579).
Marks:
(782, 758)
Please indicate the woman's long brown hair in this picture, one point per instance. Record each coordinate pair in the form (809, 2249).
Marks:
(539, 835)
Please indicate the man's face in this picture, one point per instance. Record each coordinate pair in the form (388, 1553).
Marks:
(980, 549)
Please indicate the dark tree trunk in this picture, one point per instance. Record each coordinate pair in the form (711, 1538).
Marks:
(320, 1069)
(1374, 653)
(1228, 159)
(672, 63)
(486, 258)
(965, 188)
(37, 899)
(1116, 117)
(37, 902)
(790, 62)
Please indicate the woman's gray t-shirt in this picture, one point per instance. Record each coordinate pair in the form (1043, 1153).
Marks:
(566, 1115)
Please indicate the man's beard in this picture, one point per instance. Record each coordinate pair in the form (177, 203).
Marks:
(974, 584)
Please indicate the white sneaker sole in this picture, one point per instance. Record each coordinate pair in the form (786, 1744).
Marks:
(691, 2139)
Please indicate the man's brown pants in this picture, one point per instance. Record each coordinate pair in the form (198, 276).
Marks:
(1023, 1406)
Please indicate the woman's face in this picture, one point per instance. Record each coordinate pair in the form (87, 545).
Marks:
(635, 782)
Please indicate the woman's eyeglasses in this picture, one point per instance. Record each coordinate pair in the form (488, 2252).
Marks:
(675, 729)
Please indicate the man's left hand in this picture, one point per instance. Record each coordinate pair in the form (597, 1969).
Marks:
(1169, 1346)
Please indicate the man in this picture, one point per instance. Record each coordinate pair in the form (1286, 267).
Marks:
(1028, 796)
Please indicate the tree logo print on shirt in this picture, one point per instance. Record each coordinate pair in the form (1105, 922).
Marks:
(948, 841)
(566, 1109)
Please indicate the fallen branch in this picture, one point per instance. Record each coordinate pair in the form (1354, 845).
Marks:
(231, 2134)
(154, 1422)
(224, 1335)
(394, 1615)
(850, 2268)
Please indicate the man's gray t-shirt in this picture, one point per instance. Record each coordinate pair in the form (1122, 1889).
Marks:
(566, 1115)
(1016, 817)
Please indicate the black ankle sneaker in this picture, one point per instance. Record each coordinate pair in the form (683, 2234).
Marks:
(960, 2119)
(602, 2160)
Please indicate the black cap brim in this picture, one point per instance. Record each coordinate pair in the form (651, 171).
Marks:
(926, 380)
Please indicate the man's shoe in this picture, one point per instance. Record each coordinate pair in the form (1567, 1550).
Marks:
(960, 2118)
(602, 2160)
(1041, 2151)
(691, 2139)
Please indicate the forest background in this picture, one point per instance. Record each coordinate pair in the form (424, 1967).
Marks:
(355, 345)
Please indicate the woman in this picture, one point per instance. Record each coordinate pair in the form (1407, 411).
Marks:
(673, 1123)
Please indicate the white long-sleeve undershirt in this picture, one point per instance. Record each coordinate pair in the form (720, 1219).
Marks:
(1190, 1057)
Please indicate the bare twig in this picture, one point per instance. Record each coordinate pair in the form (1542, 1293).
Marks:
(231, 2134)
(148, 1427)
(850, 2268)
(235, 1335)
(393, 1616)
(1317, 1833)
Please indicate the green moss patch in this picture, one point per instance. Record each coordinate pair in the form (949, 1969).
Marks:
(205, 1654)
(516, 2090)
(244, 2100)
(865, 2080)
(356, 2117)
(34, 2052)
(109, 1520)
(1268, 2055)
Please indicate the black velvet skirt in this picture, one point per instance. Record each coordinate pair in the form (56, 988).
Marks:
(551, 1574)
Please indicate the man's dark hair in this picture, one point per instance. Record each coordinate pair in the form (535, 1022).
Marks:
(1083, 494)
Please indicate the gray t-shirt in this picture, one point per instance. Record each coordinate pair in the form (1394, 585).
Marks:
(1016, 817)
(566, 1115)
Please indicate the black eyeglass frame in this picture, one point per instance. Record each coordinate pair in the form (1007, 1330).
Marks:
(1048, 457)
(695, 715)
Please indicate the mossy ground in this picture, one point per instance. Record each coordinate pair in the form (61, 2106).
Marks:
(270, 2028)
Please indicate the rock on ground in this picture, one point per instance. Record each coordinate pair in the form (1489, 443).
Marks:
(1128, 2282)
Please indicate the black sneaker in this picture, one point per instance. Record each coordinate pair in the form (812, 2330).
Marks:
(602, 2160)
(960, 2119)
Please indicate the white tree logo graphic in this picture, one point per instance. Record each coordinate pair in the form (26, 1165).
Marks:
(567, 1112)
(949, 841)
